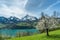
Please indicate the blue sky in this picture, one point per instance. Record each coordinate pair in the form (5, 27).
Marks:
(20, 8)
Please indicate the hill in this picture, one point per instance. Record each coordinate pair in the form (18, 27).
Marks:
(54, 35)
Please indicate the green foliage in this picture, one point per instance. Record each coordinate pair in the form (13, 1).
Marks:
(21, 34)
(2, 25)
(1, 38)
(54, 35)
(26, 24)
(23, 24)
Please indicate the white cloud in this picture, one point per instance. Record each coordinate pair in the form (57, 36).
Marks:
(16, 8)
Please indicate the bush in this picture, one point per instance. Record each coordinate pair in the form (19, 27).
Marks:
(20, 34)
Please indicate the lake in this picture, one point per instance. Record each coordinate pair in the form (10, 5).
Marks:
(13, 32)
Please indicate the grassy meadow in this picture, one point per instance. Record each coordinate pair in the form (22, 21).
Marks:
(54, 35)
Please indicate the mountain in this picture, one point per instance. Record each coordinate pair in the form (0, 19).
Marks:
(27, 22)
(3, 20)
(13, 19)
(29, 18)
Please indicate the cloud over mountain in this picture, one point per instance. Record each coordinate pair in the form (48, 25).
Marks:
(20, 8)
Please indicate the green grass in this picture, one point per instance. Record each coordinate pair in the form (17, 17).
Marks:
(54, 35)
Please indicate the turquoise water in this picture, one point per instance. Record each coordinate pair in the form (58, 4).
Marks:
(15, 31)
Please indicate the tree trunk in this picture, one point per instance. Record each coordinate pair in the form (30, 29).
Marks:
(47, 32)
(46, 26)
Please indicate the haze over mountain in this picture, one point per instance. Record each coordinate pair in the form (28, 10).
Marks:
(20, 8)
